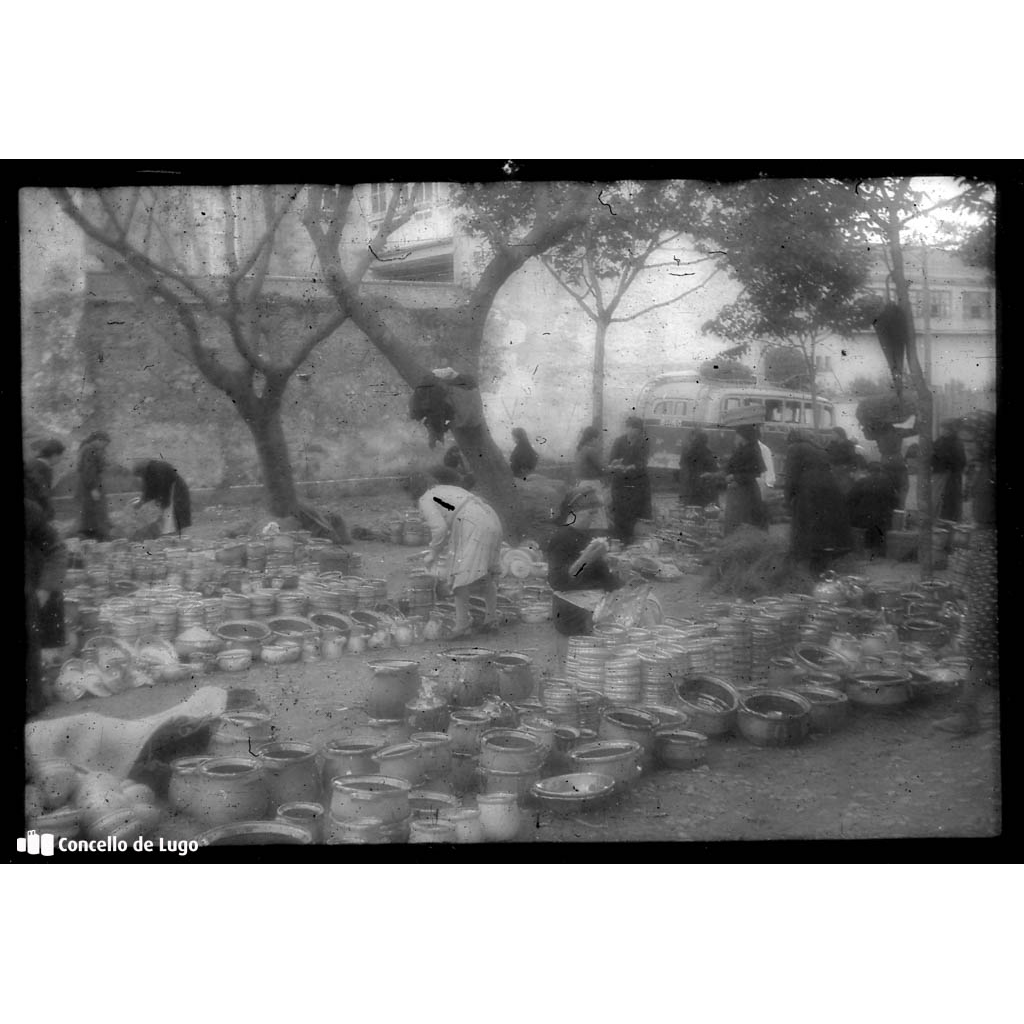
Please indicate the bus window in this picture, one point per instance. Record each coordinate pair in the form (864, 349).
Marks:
(793, 412)
(825, 418)
(660, 408)
(809, 414)
(730, 403)
(773, 411)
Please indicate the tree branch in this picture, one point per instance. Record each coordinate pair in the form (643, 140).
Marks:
(579, 298)
(667, 302)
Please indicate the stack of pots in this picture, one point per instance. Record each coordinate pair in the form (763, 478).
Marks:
(420, 594)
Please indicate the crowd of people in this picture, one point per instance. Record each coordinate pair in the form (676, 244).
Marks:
(829, 490)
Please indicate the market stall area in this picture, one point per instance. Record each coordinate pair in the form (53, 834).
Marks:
(278, 688)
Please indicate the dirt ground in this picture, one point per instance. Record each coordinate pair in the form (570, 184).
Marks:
(885, 775)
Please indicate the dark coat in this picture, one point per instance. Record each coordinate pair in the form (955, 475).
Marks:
(950, 460)
(39, 485)
(696, 460)
(564, 547)
(820, 520)
(631, 488)
(45, 564)
(524, 459)
(95, 518)
(743, 502)
(164, 485)
(870, 503)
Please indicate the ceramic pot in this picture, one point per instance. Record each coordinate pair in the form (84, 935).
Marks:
(493, 780)
(402, 761)
(499, 816)
(774, 718)
(428, 805)
(343, 757)
(880, 689)
(463, 778)
(543, 729)
(431, 832)
(436, 750)
(308, 816)
(184, 786)
(256, 833)
(465, 729)
(422, 715)
(680, 748)
(356, 831)
(370, 796)
(619, 759)
(473, 674)
(394, 684)
(468, 826)
(229, 789)
(829, 707)
(57, 781)
(514, 680)
(240, 733)
(290, 772)
(629, 724)
(511, 751)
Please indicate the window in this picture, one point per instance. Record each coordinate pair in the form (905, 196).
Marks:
(730, 403)
(793, 412)
(823, 363)
(940, 302)
(424, 193)
(977, 305)
(378, 200)
(773, 411)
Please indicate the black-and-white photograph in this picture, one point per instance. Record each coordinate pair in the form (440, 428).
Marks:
(508, 509)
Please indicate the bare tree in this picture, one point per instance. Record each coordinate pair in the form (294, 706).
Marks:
(205, 295)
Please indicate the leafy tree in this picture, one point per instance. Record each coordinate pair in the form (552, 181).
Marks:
(515, 221)
(880, 212)
(801, 275)
(624, 237)
(203, 289)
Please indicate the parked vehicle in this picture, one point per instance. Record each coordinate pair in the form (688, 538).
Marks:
(673, 405)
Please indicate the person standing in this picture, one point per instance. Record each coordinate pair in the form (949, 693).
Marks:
(870, 504)
(948, 463)
(631, 487)
(820, 526)
(163, 485)
(589, 472)
(576, 561)
(889, 439)
(696, 464)
(92, 461)
(743, 502)
(45, 565)
(468, 531)
(523, 459)
(842, 457)
(767, 479)
(978, 640)
(39, 475)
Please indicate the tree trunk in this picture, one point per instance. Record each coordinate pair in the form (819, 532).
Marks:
(597, 384)
(275, 461)
(924, 405)
(812, 372)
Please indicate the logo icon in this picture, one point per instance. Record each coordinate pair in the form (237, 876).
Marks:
(34, 844)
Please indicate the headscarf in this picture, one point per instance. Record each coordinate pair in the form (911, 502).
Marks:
(520, 435)
(579, 499)
(96, 435)
(634, 422)
(589, 434)
(50, 447)
(980, 425)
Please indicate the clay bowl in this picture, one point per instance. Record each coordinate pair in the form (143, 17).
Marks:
(256, 833)
(679, 748)
(880, 689)
(774, 718)
(829, 707)
(573, 793)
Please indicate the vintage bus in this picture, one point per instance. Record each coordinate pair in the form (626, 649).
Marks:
(673, 405)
